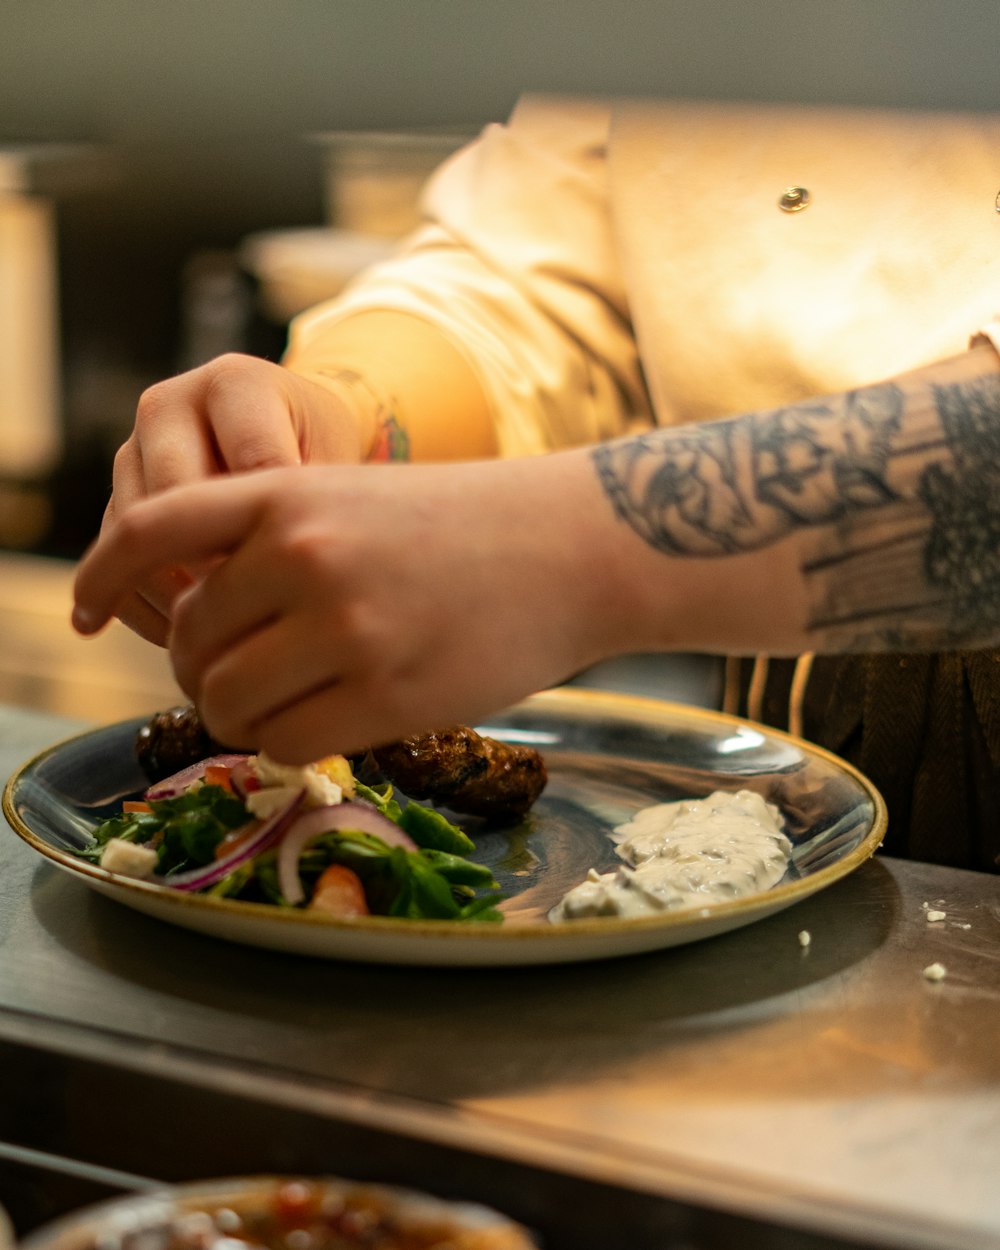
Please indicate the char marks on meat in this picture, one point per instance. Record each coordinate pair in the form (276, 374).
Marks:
(461, 769)
(455, 768)
(172, 740)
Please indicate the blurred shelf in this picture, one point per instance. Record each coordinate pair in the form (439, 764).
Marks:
(44, 665)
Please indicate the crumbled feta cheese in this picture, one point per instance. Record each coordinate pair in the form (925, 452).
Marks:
(128, 859)
(932, 915)
(265, 802)
(320, 789)
(935, 972)
(805, 938)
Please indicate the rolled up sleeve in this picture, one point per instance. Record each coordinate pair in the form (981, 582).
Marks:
(517, 266)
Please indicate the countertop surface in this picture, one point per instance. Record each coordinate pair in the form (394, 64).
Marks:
(832, 1086)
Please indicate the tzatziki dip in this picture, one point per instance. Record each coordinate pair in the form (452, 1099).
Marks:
(687, 853)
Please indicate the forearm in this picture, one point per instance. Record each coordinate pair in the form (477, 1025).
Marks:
(858, 522)
(415, 395)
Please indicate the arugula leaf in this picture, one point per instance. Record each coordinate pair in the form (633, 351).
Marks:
(186, 828)
(380, 797)
(458, 870)
(421, 885)
(435, 882)
(429, 828)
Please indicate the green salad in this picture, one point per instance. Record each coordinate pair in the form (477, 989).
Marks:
(313, 838)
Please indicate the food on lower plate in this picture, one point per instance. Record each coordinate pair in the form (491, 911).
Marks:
(314, 838)
(686, 854)
(455, 768)
(283, 1214)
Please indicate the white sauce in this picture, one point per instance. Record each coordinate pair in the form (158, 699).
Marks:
(686, 854)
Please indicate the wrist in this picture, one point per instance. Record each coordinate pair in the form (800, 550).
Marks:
(598, 569)
(381, 436)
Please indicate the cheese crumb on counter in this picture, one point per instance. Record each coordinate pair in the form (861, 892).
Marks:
(935, 972)
(933, 916)
(805, 938)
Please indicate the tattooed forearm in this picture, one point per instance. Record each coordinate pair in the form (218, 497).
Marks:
(893, 492)
(739, 485)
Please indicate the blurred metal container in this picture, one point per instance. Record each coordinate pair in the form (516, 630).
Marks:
(373, 178)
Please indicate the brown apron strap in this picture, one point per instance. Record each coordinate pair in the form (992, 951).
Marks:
(925, 729)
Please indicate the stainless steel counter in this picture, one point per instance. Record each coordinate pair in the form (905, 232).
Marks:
(741, 1091)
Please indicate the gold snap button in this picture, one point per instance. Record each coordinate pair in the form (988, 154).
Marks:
(795, 199)
(997, 202)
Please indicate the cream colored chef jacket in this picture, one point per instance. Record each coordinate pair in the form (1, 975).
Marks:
(607, 266)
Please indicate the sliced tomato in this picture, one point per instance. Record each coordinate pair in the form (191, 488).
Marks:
(339, 892)
(235, 839)
(218, 775)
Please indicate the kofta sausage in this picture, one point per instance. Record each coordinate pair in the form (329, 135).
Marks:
(455, 768)
(461, 769)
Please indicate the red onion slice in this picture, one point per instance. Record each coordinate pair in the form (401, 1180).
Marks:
(171, 787)
(243, 776)
(353, 817)
(269, 832)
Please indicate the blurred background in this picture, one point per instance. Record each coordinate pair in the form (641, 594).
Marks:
(178, 179)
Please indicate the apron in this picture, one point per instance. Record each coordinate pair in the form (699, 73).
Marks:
(774, 253)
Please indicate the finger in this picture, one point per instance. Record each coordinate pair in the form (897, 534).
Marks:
(139, 615)
(181, 528)
(245, 406)
(346, 716)
(170, 445)
(217, 614)
(148, 611)
(273, 666)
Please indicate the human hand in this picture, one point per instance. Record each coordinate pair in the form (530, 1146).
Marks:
(234, 414)
(343, 607)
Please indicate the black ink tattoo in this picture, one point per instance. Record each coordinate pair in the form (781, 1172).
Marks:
(741, 484)
(902, 525)
(963, 500)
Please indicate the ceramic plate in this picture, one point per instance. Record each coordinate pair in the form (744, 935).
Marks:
(607, 755)
(246, 1211)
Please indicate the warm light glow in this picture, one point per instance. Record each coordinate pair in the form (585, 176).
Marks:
(29, 343)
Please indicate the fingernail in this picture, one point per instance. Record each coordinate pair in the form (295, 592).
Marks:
(85, 621)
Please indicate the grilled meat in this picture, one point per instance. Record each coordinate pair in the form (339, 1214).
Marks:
(455, 768)
(461, 769)
(171, 741)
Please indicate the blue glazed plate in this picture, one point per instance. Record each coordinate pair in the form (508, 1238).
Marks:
(607, 755)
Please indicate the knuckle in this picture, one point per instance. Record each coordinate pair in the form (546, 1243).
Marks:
(225, 372)
(306, 555)
(153, 403)
(131, 527)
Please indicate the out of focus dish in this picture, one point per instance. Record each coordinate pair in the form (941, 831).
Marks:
(275, 1213)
